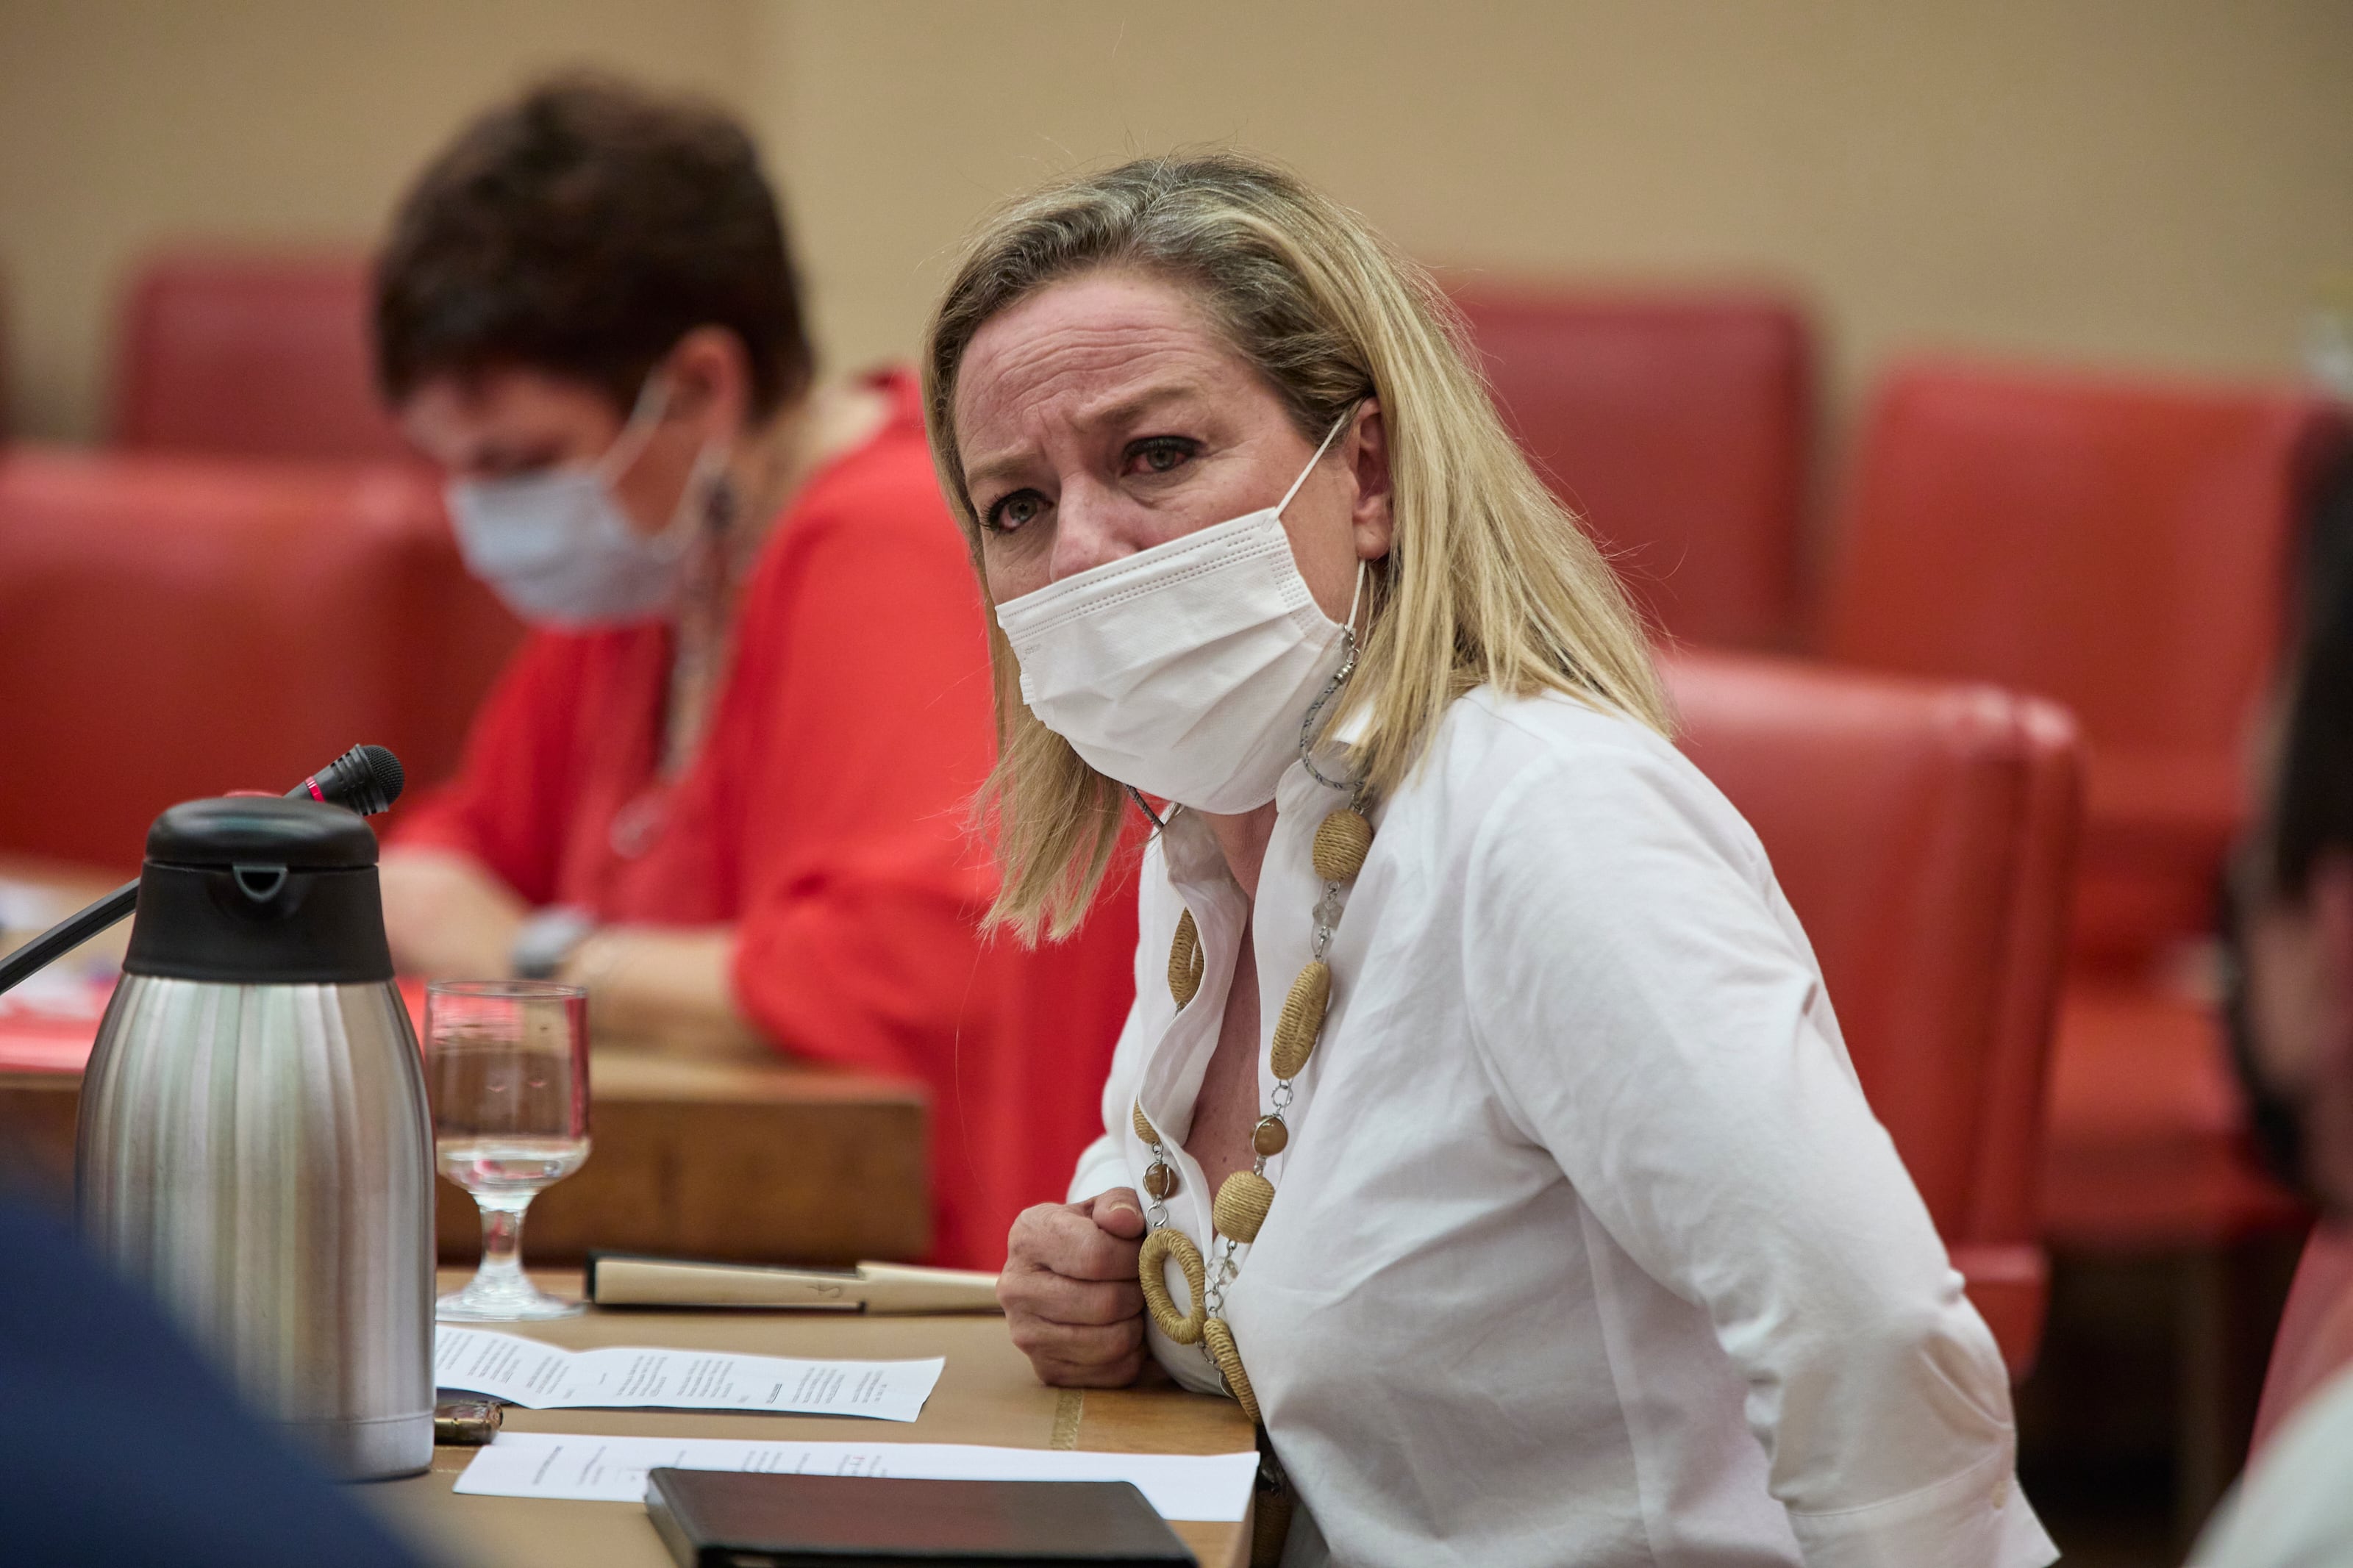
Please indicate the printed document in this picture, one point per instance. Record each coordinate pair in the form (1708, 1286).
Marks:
(1209, 1487)
(546, 1378)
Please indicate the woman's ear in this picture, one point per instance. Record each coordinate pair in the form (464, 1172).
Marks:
(1367, 451)
(710, 382)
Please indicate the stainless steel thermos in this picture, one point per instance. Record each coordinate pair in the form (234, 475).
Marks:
(254, 1141)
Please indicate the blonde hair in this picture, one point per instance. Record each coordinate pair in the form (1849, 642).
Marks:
(1488, 582)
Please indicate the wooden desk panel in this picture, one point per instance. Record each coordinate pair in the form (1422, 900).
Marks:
(733, 1160)
(987, 1395)
(37, 1134)
(730, 1160)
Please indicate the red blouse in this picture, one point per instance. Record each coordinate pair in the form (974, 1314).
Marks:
(826, 818)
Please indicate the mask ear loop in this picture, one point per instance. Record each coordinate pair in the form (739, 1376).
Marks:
(1347, 633)
(1322, 447)
(1307, 727)
(653, 402)
(716, 512)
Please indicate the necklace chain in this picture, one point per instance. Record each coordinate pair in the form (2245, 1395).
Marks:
(1244, 1198)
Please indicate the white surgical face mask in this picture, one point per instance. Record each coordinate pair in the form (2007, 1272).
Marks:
(1185, 670)
(559, 549)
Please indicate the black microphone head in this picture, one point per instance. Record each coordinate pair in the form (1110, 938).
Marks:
(366, 779)
(384, 775)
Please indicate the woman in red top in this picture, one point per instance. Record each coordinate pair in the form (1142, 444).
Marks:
(725, 783)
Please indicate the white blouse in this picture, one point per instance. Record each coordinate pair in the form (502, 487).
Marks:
(2291, 1510)
(1586, 1248)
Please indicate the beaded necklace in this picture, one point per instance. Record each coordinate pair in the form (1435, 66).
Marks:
(1243, 1199)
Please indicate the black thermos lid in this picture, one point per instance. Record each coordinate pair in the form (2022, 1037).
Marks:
(253, 889)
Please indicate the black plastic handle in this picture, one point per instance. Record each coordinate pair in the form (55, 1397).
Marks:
(68, 934)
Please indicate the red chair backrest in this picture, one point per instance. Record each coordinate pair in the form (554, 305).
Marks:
(2116, 546)
(2315, 1332)
(257, 354)
(179, 627)
(1924, 833)
(1679, 428)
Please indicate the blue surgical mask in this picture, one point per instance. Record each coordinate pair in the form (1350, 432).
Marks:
(559, 549)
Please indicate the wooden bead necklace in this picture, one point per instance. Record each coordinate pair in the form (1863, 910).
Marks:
(1243, 1199)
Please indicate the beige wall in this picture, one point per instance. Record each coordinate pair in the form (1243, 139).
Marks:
(2154, 181)
(123, 122)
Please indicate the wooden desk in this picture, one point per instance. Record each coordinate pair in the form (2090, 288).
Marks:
(987, 1395)
(741, 1158)
(752, 1160)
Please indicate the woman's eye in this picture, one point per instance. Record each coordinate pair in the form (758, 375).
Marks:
(1160, 454)
(1014, 510)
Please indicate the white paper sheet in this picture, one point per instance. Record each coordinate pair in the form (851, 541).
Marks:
(546, 1378)
(1211, 1487)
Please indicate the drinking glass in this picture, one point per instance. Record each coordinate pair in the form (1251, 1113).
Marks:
(507, 1063)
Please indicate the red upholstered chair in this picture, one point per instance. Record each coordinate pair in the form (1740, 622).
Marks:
(257, 354)
(1679, 427)
(2315, 1331)
(1924, 833)
(2118, 546)
(177, 626)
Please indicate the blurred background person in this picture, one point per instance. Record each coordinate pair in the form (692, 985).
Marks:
(2290, 939)
(124, 1445)
(722, 783)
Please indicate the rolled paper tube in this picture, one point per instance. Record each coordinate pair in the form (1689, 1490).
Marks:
(1243, 1199)
(1341, 844)
(1302, 1019)
(1186, 962)
(1222, 1350)
(1152, 1266)
(1144, 1125)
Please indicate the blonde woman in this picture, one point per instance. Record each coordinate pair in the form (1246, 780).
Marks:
(1481, 1124)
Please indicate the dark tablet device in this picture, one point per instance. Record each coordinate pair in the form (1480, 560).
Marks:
(739, 1519)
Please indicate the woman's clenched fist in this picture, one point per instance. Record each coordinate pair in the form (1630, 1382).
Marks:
(1070, 1292)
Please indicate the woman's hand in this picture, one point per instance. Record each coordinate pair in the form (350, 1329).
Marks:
(448, 915)
(1070, 1291)
(672, 988)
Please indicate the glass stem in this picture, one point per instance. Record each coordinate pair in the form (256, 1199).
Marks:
(501, 1268)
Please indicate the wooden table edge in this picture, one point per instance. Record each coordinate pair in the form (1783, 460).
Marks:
(1101, 1421)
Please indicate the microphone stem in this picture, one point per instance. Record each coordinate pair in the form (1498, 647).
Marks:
(68, 934)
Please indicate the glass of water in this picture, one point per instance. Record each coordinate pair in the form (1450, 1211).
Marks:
(507, 1065)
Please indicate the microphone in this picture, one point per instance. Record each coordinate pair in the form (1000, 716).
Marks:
(366, 779)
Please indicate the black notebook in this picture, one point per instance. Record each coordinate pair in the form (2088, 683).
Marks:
(737, 1519)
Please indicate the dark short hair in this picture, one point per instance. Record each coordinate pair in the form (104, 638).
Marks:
(581, 231)
(2311, 803)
